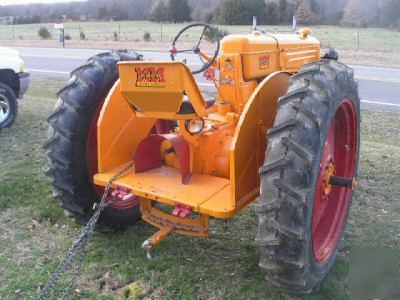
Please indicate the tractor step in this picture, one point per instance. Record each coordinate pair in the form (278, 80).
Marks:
(205, 194)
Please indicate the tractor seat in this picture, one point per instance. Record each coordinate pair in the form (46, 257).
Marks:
(187, 107)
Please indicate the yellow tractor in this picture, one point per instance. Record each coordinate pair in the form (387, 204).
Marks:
(283, 129)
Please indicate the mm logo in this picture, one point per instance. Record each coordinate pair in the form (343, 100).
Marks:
(150, 77)
(263, 61)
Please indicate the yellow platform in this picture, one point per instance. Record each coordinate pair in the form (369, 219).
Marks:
(206, 194)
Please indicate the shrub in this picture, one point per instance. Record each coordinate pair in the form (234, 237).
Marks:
(211, 35)
(67, 37)
(82, 35)
(44, 33)
(146, 36)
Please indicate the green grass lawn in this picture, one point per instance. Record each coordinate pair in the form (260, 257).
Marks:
(330, 36)
(35, 234)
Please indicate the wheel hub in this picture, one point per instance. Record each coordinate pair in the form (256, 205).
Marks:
(329, 172)
(332, 192)
(4, 108)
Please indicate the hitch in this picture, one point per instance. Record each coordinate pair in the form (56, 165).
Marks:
(155, 239)
(168, 223)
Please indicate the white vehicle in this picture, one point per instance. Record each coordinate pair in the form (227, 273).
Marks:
(13, 84)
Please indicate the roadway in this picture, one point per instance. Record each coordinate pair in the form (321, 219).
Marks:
(379, 88)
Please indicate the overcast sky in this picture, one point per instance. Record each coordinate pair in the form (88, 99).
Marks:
(8, 2)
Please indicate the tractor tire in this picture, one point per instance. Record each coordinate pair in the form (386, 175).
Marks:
(301, 217)
(8, 106)
(71, 152)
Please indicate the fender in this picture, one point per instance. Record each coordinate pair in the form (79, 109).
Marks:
(250, 139)
(10, 78)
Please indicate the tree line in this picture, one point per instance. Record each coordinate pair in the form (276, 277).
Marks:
(381, 13)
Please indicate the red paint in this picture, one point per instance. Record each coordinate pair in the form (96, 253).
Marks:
(162, 126)
(91, 162)
(182, 210)
(182, 151)
(209, 74)
(150, 76)
(122, 197)
(173, 49)
(148, 155)
(330, 210)
(263, 61)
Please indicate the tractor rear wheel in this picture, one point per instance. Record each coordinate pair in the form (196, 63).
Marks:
(72, 142)
(316, 135)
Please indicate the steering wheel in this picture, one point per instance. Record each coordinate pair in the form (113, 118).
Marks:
(196, 48)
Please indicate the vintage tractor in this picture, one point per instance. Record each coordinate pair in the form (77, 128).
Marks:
(283, 129)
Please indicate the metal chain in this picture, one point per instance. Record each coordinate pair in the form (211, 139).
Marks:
(77, 250)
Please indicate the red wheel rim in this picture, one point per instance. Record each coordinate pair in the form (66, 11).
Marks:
(331, 203)
(91, 159)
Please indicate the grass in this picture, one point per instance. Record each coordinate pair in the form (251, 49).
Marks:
(375, 46)
(331, 36)
(34, 233)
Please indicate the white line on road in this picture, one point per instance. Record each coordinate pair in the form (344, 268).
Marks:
(379, 79)
(47, 71)
(54, 56)
(380, 103)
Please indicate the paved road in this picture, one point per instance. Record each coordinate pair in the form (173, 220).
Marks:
(379, 87)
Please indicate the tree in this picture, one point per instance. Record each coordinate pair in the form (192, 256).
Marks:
(241, 12)
(116, 11)
(359, 13)
(391, 13)
(44, 33)
(305, 15)
(228, 12)
(102, 12)
(178, 11)
(250, 8)
(272, 13)
(283, 13)
(159, 13)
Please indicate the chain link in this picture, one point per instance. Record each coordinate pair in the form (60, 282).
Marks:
(77, 250)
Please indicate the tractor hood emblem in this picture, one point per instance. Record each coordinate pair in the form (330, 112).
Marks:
(263, 61)
(150, 77)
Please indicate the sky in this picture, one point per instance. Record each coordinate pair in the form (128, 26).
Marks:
(10, 2)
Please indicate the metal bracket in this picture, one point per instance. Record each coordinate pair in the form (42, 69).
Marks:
(155, 239)
(168, 223)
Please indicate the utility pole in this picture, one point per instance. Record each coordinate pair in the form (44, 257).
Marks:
(254, 23)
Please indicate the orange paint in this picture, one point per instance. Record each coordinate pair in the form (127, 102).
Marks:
(225, 156)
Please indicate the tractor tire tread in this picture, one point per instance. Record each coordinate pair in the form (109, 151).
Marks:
(66, 142)
(291, 158)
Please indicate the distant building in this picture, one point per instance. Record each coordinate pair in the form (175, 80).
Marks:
(6, 20)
